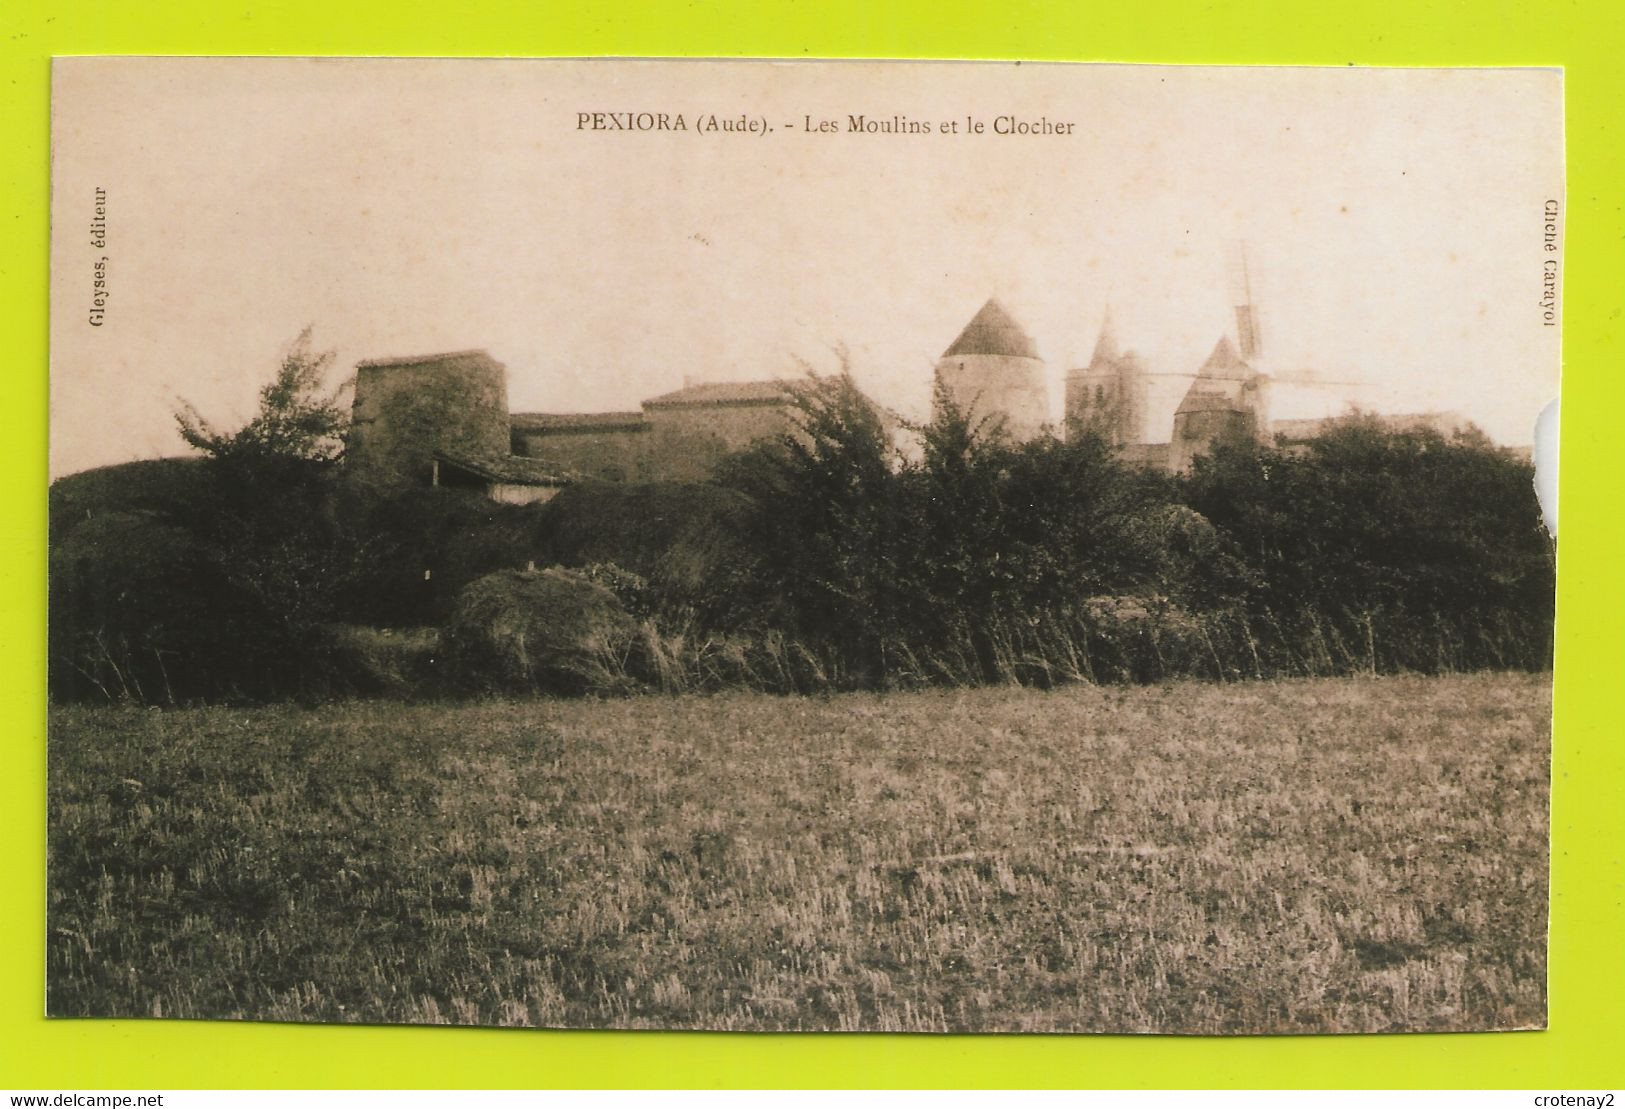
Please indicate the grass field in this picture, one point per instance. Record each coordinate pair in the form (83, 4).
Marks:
(1328, 855)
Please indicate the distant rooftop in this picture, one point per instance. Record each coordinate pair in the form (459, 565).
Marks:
(1299, 430)
(1224, 361)
(507, 469)
(577, 421)
(725, 392)
(424, 359)
(993, 331)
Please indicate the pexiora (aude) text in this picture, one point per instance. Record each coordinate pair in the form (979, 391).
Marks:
(860, 124)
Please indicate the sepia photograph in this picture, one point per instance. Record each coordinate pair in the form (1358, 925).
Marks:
(801, 546)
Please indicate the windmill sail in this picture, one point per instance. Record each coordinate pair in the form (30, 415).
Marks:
(1249, 342)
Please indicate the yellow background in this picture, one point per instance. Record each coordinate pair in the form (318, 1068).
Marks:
(1581, 1048)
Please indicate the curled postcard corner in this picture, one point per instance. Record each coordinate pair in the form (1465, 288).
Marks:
(1546, 453)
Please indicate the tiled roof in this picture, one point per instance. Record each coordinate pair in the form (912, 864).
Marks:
(992, 331)
(726, 392)
(576, 421)
(508, 469)
(423, 359)
(1224, 361)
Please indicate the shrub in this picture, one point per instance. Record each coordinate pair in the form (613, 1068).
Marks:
(390, 662)
(681, 538)
(1380, 550)
(414, 551)
(170, 489)
(828, 533)
(138, 611)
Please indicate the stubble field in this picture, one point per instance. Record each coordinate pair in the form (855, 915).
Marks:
(1328, 855)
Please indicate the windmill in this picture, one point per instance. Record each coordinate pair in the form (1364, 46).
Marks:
(1250, 336)
(1249, 332)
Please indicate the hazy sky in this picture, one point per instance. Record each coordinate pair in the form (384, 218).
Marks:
(1393, 220)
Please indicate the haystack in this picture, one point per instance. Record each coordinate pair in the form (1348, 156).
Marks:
(539, 631)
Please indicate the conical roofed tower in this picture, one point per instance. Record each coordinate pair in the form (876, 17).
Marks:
(992, 372)
(992, 332)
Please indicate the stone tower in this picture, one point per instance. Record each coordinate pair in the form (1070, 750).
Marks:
(1109, 396)
(993, 371)
(407, 409)
(1228, 399)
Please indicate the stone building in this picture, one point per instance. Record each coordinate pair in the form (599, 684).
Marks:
(1228, 399)
(603, 446)
(993, 371)
(677, 436)
(694, 428)
(406, 409)
(443, 418)
(1109, 395)
(433, 419)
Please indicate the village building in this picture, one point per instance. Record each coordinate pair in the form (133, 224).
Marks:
(1229, 399)
(406, 409)
(1108, 397)
(678, 436)
(602, 446)
(993, 373)
(443, 420)
(508, 479)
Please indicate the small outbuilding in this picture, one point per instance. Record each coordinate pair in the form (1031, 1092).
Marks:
(508, 479)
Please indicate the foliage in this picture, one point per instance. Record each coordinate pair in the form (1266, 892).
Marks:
(401, 663)
(1405, 550)
(677, 536)
(254, 564)
(297, 420)
(827, 531)
(948, 567)
(168, 488)
(135, 612)
(824, 559)
(419, 548)
(989, 560)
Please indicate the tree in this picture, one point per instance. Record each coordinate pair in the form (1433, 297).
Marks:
(266, 524)
(269, 475)
(826, 526)
(297, 421)
(1400, 548)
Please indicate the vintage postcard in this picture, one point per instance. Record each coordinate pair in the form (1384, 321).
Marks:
(801, 546)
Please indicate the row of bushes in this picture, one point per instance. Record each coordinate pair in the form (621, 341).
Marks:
(555, 631)
(824, 560)
(1370, 550)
